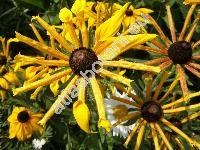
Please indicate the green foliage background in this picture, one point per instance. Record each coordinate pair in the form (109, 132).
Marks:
(62, 132)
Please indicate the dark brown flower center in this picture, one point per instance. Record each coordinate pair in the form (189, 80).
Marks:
(151, 111)
(129, 12)
(82, 59)
(23, 116)
(180, 52)
(3, 60)
(177, 123)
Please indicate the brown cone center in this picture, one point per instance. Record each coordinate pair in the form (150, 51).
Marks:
(23, 117)
(151, 111)
(82, 59)
(180, 52)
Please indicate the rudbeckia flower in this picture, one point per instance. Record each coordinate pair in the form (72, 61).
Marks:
(81, 57)
(180, 53)
(191, 2)
(23, 123)
(133, 15)
(7, 75)
(151, 110)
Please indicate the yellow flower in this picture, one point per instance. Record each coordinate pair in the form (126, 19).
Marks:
(180, 52)
(7, 75)
(33, 73)
(133, 15)
(150, 109)
(191, 2)
(23, 123)
(81, 59)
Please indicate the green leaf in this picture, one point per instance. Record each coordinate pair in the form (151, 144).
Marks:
(102, 133)
(37, 3)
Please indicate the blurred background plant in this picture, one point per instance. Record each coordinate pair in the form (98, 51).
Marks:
(62, 132)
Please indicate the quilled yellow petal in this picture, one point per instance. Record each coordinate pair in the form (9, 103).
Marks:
(35, 93)
(59, 102)
(191, 2)
(40, 46)
(54, 33)
(103, 122)
(131, 65)
(123, 43)
(41, 82)
(116, 77)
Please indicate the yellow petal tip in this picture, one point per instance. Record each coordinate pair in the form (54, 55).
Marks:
(42, 122)
(65, 15)
(105, 124)
(125, 145)
(15, 92)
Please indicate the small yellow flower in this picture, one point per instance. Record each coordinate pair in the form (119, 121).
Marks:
(23, 123)
(7, 75)
(133, 15)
